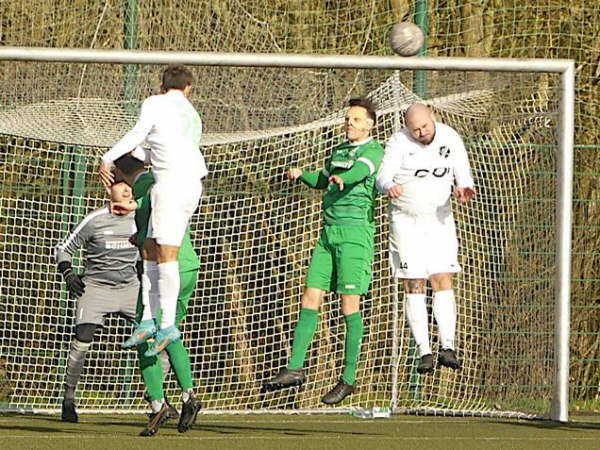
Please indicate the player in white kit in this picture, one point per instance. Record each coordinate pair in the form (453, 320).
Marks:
(423, 164)
(170, 127)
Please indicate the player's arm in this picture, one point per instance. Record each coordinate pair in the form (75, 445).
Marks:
(392, 161)
(315, 180)
(366, 165)
(463, 178)
(64, 252)
(132, 139)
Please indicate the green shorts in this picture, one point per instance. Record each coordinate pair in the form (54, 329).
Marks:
(186, 289)
(342, 260)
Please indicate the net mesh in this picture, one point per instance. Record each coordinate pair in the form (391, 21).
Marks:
(254, 233)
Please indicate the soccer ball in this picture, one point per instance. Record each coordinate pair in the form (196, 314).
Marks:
(406, 39)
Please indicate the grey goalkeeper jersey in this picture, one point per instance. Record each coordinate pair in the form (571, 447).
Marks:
(110, 258)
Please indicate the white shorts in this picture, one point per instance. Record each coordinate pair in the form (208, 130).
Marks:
(422, 246)
(172, 208)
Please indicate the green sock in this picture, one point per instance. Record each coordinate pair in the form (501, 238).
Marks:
(303, 334)
(354, 334)
(180, 362)
(152, 373)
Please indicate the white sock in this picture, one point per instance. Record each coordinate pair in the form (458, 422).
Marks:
(444, 311)
(147, 313)
(416, 313)
(151, 271)
(166, 363)
(168, 288)
(156, 405)
(185, 395)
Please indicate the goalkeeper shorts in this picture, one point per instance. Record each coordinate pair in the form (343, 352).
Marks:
(342, 260)
(98, 301)
(421, 246)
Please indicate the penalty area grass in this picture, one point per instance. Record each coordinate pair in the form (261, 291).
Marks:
(274, 432)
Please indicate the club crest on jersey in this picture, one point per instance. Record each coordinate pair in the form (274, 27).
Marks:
(444, 151)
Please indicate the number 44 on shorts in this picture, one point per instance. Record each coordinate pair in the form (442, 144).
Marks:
(403, 265)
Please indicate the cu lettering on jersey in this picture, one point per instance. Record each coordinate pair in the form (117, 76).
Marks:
(438, 172)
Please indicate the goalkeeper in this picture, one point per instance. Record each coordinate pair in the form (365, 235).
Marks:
(148, 306)
(342, 259)
(423, 163)
(108, 285)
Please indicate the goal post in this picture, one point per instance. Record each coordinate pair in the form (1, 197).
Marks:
(564, 156)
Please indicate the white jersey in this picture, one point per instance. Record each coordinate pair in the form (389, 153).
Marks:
(171, 128)
(427, 173)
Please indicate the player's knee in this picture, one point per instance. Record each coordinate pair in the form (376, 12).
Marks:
(441, 282)
(85, 332)
(166, 253)
(312, 298)
(414, 286)
(350, 304)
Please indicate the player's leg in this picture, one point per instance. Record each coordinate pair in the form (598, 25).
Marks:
(180, 358)
(92, 307)
(318, 282)
(171, 212)
(443, 264)
(148, 305)
(131, 302)
(353, 266)
(84, 334)
(444, 311)
(418, 321)
(408, 248)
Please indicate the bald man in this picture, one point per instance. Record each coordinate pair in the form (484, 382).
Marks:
(423, 164)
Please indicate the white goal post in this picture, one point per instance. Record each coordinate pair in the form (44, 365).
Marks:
(564, 158)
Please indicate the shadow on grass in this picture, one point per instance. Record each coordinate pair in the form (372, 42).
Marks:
(551, 425)
(36, 429)
(242, 429)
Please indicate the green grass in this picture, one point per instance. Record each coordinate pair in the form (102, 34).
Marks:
(266, 432)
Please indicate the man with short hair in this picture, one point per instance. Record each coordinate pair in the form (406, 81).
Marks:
(141, 180)
(109, 283)
(171, 128)
(423, 163)
(342, 259)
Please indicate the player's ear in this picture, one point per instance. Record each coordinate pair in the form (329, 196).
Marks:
(187, 90)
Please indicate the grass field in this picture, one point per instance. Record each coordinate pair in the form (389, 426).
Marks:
(19, 432)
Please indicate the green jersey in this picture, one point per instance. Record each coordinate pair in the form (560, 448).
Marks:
(188, 259)
(355, 205)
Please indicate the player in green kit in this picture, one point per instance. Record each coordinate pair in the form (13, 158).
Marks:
(343, 257)
(149, 310)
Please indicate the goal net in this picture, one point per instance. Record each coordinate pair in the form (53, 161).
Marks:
(254, 233)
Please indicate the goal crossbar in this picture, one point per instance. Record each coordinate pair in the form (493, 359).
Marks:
(564, 67)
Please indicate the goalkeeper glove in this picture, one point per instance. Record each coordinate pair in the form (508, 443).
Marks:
(75, 284)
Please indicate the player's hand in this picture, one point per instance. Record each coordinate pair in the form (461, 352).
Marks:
(293, 174)
(106, 175)
(133, 239)
(395, 191)
(75, 284)
(123, 208)
(335, 179)
(463, 195)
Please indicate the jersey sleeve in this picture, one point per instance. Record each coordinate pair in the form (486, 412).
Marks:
(136, 136)
(77, 239)
(462, 168)
(392, 161)
(315, 180)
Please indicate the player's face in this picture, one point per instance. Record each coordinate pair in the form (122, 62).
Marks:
(357, 124)
(421, 127)
(120, 192)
